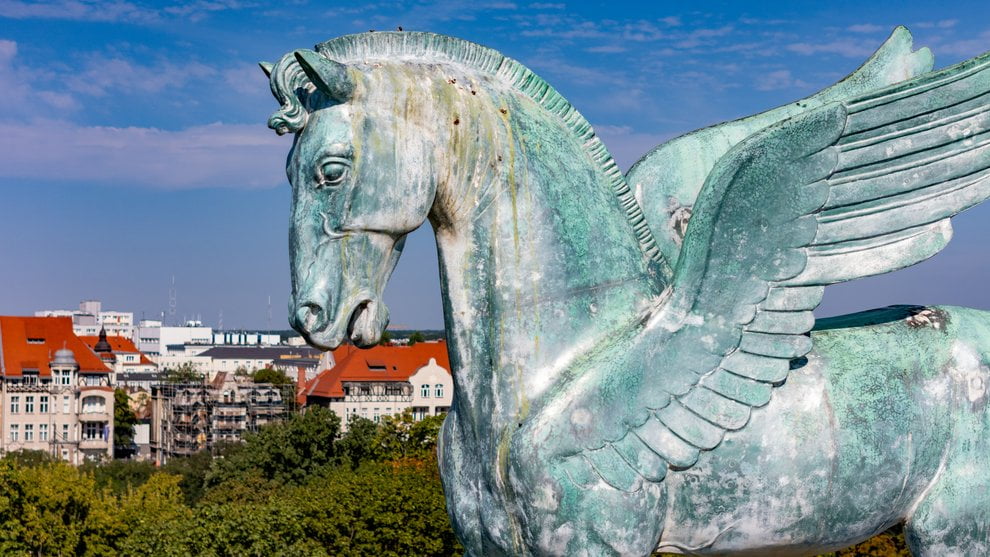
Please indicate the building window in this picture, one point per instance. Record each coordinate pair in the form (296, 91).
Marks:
(377, 416)
(14, 432)
(439, 391)
(28, 433)
(92, 380)
(43, 405)
(93, 404)
(65, 432)
(43, 432)
(92, 431)
(65, 454)
(424, 391)
(15, 404)
(65, 404)
(28, 407)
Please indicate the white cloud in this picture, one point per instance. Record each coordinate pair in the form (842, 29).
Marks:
(17, 96)
(843, 47)
(214, 155)
(865, 28)
(942, 24)
(778, 79)
(118, 11)
(627, 145)
(112, 10)
(606, 49)
(963, 48)
(102, 75)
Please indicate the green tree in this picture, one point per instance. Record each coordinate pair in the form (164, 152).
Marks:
(54, 509)
(29, 458)
(123, 421)
(119, 476)
(193, 470)
(377, 509)
(185, 372)
(401, 436)
(271, 376)
(289, 451)
(358, 445)
(386, 338)
(416, 337)
(155, 519)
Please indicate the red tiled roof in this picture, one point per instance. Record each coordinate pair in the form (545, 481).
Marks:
(47, 335)
(357, 364)
(118, 344)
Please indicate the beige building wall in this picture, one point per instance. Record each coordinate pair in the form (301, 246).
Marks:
(432, 390)
(69, 416)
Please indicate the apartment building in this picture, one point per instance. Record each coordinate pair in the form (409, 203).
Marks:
(56, 393)
(187, 418)
(127, 359)
(91, 317)
(384, 380)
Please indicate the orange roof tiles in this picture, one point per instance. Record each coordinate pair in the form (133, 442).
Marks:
(118, 344)
(357, 364)
(31, 343)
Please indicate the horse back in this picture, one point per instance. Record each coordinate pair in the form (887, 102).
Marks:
(849, 444)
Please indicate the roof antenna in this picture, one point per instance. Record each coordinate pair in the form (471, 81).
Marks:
(171, 301)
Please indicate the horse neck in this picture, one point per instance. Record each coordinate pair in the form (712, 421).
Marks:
(538, 260)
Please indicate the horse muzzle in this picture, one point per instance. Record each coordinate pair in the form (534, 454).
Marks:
(361, 320)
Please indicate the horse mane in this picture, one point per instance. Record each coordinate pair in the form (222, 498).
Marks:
(293, 90)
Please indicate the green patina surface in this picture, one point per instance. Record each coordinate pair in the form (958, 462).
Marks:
(634, 357)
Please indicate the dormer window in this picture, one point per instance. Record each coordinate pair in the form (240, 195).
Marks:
(63, 377)
(377, 365)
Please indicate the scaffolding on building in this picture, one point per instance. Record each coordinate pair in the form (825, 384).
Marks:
(192, 417)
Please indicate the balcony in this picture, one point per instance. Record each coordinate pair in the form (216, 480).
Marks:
(29, 387)
(94, 417)
(95, 443)
(230, 425)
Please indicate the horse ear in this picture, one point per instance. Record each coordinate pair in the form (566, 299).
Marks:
(327, 75)
(267, 67)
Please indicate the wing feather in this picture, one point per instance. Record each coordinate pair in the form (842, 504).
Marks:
(641, 458)
(744, 390)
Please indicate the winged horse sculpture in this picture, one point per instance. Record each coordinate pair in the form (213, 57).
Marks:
(635, 359)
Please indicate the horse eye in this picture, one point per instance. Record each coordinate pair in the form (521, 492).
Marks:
(333, 173)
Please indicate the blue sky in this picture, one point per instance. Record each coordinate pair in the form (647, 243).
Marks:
(133, 144)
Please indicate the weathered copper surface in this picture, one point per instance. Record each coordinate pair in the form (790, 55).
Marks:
(635, 358)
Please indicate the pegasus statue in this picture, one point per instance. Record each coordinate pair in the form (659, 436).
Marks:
(635, 359)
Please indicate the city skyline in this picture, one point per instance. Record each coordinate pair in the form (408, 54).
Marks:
(133, 146)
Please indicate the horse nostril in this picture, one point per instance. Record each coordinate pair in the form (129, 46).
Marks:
(309, 315)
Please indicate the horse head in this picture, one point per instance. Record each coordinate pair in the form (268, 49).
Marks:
(357, 190)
